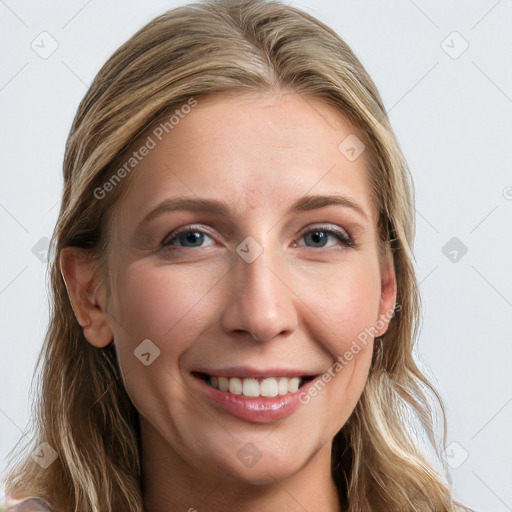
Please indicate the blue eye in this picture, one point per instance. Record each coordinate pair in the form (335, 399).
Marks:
(188, 237)
(319, 238)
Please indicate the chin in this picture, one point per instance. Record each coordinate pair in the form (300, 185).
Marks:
(265, 467)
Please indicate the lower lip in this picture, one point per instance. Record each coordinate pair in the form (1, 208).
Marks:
(260, 409)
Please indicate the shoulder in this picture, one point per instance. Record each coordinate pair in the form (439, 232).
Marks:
(30, 505)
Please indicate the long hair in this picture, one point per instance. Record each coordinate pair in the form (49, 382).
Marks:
(81, 408)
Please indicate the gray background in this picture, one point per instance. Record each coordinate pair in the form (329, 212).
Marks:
(452, 112)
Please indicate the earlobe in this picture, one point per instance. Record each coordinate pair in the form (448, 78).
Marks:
(88, 299)
(388, 296)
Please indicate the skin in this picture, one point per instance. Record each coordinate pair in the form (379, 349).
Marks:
(299, 304)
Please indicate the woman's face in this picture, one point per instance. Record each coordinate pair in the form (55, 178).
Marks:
(271, 280)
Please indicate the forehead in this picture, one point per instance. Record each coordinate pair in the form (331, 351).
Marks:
(259, 151)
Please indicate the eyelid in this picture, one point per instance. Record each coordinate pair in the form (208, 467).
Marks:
(320, 226)
(185, 229)
(344, 235)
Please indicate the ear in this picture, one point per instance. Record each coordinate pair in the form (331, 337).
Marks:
(388, 294)
(88, 298)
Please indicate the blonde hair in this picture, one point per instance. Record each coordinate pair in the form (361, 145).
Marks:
(82, 409)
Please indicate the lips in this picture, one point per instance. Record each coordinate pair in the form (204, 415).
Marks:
(254, 386)
(251, 407)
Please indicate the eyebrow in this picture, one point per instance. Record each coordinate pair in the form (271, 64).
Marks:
(221, 208)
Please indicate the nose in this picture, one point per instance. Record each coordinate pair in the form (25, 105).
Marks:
(261, 302)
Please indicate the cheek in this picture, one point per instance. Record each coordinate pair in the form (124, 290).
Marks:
(345, 303)
(343, 308)
(166, 307)
(344, 390)
(153, 301)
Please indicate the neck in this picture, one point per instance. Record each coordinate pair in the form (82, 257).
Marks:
(171, 483)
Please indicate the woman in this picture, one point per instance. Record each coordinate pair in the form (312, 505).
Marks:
(234, 300)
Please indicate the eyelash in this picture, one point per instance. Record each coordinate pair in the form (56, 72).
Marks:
(342, 235)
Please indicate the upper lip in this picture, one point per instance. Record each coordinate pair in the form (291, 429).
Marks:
(248, 372)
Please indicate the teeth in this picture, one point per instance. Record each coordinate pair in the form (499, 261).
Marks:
(250, 387)
(223, 383)
(293, 384)
(235, 386)
(270, 386)
(282, 386)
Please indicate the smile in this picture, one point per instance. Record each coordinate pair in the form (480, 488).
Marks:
(254, 395)
(256, 387)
